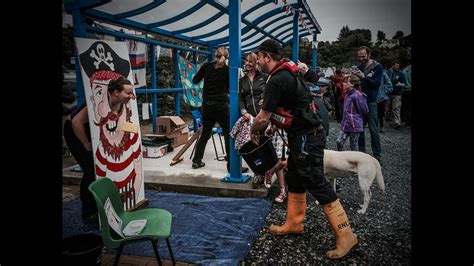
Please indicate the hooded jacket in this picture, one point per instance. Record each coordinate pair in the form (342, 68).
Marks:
(355, 108)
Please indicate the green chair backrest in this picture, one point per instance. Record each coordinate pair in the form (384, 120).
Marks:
(102, 189)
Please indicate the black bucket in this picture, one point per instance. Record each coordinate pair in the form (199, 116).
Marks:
(84, 249)
(259, 158)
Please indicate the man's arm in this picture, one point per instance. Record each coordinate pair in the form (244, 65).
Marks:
(260, 122)
(402, 78)
(374, 80)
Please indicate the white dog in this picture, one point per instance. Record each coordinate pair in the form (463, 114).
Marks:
(345, 163)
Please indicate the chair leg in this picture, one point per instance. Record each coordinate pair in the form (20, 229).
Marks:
(215, 149)
(171, 252)
(222, 145)
(153, 242)
(119, 252)
(194, 148)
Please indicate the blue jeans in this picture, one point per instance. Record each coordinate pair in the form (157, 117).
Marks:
(372, 118)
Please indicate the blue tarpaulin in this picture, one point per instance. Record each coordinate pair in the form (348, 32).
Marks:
(206, 230)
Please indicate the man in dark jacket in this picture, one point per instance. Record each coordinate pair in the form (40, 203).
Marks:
(306, 140)
(370, 74)
(395, 102)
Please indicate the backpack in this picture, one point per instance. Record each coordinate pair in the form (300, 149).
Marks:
(385, 88)
(388, 86)
(370, 67)
(282, 118)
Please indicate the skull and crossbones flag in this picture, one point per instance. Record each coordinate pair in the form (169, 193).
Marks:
(100, 56)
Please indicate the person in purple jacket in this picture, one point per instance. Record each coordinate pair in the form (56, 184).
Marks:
(354, 109)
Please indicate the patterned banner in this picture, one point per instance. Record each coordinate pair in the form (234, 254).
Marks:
(192, 92)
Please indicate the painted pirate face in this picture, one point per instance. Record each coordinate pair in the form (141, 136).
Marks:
(99, 99)
(112, 139)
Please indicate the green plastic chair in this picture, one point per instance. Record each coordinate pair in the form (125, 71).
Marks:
(158, 224)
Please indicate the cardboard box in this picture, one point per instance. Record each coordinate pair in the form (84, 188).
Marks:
(178, 137)
(168, 124)
(154, 151)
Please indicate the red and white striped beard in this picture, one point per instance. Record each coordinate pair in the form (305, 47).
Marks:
(108, 125)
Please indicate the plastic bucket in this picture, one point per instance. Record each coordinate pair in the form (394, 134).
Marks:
(84, 249)
(259, 158)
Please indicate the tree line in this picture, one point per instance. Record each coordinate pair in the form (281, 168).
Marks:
(342, 53)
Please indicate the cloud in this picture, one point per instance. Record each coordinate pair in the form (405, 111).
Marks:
(385, 15)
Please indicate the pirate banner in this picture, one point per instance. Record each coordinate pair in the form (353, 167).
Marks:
(115, 131)
(192, 92)
(137, 52)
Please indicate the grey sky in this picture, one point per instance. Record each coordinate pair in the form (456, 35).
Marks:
(388, 16)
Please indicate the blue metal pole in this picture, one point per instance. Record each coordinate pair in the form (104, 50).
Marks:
(79, 26)
(296, 36)
(154, 102)
(313, 52)
(234, 67)
(195, 63)
(176, 80)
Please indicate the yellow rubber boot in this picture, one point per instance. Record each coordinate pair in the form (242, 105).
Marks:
(345, 239)
(294, 216)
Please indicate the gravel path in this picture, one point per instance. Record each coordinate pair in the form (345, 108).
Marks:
(384, 231)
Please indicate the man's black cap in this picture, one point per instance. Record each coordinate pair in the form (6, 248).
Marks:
(100, 56)
(270, 46)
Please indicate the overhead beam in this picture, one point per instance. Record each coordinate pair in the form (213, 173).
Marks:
(178, 17)
(144, 40)
(140, 26)
(246, 22)
(140, 10)
(82, 4)
(200, 25)
(308, 13)
(251, 25)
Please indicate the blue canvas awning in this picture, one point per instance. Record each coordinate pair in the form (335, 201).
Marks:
(205, 22)
(240, 25)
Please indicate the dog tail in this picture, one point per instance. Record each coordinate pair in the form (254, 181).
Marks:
(379, 176)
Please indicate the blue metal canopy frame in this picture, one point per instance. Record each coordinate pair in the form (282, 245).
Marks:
(203, 23)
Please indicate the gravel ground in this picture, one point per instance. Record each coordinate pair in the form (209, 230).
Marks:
(384, 231)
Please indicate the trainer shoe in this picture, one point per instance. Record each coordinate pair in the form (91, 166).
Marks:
(282, 196)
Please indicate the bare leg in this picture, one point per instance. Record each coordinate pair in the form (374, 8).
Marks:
(281, 179)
